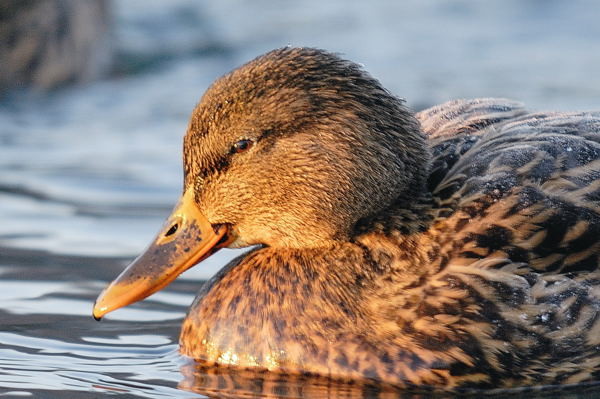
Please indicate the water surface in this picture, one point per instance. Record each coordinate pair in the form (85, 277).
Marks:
(88, 173)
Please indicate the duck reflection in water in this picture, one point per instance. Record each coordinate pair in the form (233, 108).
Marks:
(455, 248)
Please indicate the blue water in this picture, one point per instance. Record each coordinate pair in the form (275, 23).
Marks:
(87, 173)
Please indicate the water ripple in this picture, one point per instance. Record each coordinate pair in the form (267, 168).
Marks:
(146, 370)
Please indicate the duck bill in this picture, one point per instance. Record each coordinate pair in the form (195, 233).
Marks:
(187, 238)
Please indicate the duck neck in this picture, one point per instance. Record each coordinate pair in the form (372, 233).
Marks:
(398, 238)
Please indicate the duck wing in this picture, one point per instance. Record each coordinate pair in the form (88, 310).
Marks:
(513, 294)
(457, 117)
(520, 186)
(454, 127)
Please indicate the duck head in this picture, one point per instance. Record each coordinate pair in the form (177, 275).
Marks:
(291, 150)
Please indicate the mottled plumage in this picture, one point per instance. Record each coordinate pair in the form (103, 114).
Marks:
(455, 249)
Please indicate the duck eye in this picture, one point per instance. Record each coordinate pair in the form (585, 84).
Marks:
(241, 146)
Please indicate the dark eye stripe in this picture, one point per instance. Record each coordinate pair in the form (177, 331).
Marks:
(220, 164)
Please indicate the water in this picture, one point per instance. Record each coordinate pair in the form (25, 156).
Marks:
(88, 173)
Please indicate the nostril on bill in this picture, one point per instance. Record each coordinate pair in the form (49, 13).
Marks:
(172, 230)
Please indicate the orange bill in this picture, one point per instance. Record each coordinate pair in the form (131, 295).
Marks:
(186, 238)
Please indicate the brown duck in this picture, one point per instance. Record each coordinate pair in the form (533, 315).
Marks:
(455, 248)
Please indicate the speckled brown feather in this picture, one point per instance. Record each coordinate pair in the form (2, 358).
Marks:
(483, 276)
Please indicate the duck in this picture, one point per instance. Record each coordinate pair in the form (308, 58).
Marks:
(453, 248)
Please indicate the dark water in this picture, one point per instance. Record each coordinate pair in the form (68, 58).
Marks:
(88, 173)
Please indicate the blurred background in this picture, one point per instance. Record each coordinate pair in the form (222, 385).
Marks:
(94, 101)
(96, 93)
